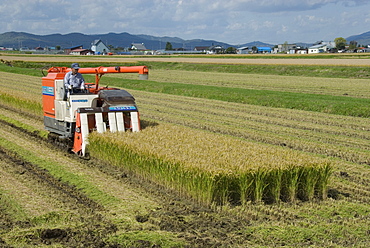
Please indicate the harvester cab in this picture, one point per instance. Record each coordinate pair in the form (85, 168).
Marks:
(72, 116)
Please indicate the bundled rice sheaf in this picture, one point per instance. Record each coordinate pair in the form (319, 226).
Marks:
(214, 168)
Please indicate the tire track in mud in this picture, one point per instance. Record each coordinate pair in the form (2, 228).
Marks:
(43, 177)
(90, 225)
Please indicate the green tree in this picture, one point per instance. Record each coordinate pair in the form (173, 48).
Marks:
(169, 46)
(254, 49)
(230, 50)
(340, 43)
(352, 44)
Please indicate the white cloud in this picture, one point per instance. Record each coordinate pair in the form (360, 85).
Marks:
(287, 5)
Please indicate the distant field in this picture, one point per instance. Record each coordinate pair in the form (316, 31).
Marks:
(299, 60)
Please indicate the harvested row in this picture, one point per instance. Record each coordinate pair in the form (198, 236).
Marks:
(21, 86)
(333, 135)
(326, 86)
(214, 168)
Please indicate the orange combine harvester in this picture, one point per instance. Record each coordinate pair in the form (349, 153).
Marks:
(73, 116)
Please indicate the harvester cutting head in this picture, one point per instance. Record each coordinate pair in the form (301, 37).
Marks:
(97, 109)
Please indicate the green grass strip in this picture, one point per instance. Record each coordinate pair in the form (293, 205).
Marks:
(135, 238)
(57, 171)
(329, 71)
(11, 207)
(25, 105)
(340, 105)
(41, 133)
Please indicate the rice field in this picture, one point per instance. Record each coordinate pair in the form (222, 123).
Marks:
(300, 178)
(267, 125)
(353, 87)
(238, 174)
(215, 168)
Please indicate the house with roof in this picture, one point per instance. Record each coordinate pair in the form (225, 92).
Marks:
(286, 48)
(321, 47)
(78, 50)
(138, 47)
(215, 49)
(98, 47)
(81, 51)
(243, 50)
(201, 48)
(68, 50)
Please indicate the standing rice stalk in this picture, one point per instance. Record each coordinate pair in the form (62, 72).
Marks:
(273, 188)
(211, 168)
(259, 184)
(308, 178)
(289, 183)
(245, 187)
(321, 186)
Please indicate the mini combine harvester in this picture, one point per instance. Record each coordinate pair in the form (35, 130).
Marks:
(71, 117)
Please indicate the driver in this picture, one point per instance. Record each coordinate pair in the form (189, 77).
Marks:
(73, 80)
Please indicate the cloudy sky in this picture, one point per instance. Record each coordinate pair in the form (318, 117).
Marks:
(234, 21)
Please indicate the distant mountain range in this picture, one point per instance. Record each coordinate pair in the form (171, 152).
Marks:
(362, 39)
(17, 40)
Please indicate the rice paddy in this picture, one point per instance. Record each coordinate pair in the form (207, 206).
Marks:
(213, 168)
(287, 177)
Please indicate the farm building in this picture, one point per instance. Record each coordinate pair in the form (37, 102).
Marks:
(138, 46)
(242, 50)
(98, 47)
(215, 49)
(201, 48)
(78, 50)
(68, 50)
(322, 47)
(264, 49)
(287, 48)
(81, 51)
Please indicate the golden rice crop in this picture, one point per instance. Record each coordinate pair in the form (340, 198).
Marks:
(215, 168)
(21, 86)
(333, 135)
